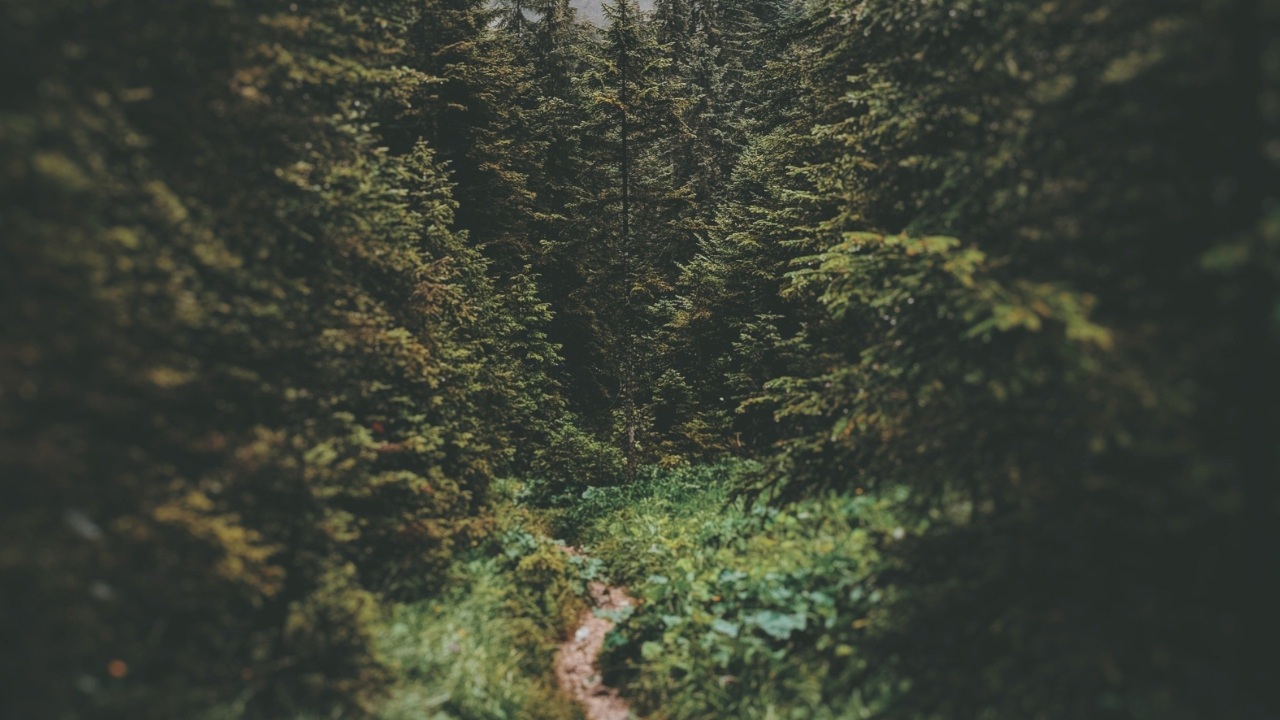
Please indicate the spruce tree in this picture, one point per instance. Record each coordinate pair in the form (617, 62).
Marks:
(624, 219)
(1007, 264)
(257, 344)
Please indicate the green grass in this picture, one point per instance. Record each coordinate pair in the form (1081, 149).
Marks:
(473, 654)
(484, 648)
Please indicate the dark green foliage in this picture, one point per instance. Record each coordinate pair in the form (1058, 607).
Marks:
(627, 214)
(1004, 211)
(973, 256)
(252, 379)
(985, 290)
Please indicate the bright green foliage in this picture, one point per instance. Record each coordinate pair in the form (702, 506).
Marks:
(571, 460)
(467, 655)
(753, 615)
(483, 648)
(601, 516)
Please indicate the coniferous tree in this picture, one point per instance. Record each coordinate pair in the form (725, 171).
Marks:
(731, 329)
(625, 217)
(1007, 242)
(286, 285)
(272, 367)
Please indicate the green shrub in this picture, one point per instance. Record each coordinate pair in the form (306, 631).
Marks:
(744, 612)
(606, 517)
(480, 651)
(484, 648)
(572, 460)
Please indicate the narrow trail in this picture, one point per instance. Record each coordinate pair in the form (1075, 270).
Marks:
(576, 662)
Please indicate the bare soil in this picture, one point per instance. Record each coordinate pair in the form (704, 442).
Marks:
(576, 662)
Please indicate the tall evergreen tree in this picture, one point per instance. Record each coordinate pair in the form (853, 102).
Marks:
(255, 339)
(273, 362)
(626, 219)
(1008, 258)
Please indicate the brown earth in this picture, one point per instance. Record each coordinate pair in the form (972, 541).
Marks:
(576, 662)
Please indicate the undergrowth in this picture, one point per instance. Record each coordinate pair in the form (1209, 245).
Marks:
(744, 612)
(484, 648)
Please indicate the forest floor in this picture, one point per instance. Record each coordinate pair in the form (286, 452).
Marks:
(577, 663)
(663, 598)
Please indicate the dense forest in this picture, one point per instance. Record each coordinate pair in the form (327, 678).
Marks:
(902, 358)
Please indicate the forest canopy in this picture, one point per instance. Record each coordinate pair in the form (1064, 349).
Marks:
(903, 359)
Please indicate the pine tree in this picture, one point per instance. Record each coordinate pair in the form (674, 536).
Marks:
(623, 208)
(1003, 257)
(731, 329)
(257, 343)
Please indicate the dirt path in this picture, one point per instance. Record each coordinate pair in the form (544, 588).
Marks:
(576, 662)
